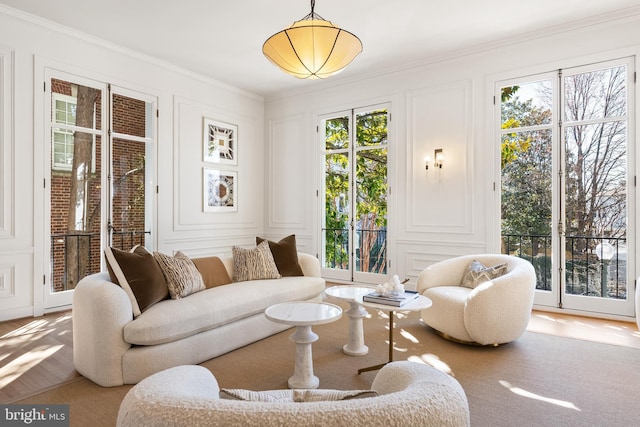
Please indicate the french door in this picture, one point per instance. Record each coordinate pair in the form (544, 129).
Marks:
(99, 163)
(355, 190)
(567, 184)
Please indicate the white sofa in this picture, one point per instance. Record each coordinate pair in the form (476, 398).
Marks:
(495, 312)
(111, 347)
(408, 394)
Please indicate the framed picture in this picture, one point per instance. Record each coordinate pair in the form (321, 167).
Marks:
(219, 191)
(220, 142)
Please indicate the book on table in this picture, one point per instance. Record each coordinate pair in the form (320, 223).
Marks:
(396, 301)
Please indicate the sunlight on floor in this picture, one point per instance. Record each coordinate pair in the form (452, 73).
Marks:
(409, 336)
(9, 344)
(432, 360)
(528, 394)
(588, 329)
(22, 364)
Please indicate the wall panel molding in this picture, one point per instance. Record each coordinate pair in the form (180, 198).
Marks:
(187, 179)
(287, 174)
(7, 281)
(7, 141)
(440, 200)
(413, 259)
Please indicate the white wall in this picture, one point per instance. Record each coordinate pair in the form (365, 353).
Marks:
(27, 45)
(446, 104)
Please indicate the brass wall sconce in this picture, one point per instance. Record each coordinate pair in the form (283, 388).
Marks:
(438, 157)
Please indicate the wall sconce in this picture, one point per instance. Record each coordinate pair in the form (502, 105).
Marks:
(438, 156)
(427, 160)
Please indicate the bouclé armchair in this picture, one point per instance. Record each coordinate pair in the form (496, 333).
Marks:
(408, 394)
(496, 311)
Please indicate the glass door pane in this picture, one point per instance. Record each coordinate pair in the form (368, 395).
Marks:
(336, 230)
(371, 193)
(527, 179)
(132, 173)
(595, 111)
(76, 132)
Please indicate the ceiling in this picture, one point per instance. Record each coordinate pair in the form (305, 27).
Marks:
(222, 39)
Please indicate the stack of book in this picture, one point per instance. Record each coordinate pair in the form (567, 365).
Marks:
(395, 300)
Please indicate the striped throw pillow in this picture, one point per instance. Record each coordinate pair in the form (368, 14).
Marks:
(183, 278)
(254, 264)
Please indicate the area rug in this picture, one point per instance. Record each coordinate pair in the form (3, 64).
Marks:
(537, 380)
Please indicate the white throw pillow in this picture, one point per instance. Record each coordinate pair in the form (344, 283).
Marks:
(299, 396)
(478, 273)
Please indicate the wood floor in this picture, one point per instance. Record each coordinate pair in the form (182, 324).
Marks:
(36, 353)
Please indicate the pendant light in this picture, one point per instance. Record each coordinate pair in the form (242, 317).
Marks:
(312, 48)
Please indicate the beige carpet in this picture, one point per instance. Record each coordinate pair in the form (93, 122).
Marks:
(538, 380)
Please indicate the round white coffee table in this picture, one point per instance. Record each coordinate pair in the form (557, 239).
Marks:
(420, 303)
(303, 315)
(353, 295)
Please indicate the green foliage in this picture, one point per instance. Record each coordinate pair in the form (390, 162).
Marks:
(511, 144)
(507, 92)
(526, 170)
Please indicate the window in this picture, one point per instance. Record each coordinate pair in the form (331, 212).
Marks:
(64, 112)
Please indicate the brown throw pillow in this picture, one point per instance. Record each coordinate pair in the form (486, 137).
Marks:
(212, 271)
(183, 278)
(285, 254)
(139, 275)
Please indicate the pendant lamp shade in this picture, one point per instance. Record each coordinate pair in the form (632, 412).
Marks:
(312, 48)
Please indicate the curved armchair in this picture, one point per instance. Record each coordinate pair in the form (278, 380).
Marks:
(496, 311)
(408, 394)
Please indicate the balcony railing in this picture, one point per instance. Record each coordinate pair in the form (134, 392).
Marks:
(337, 249)
(585, 269)
(76, 255)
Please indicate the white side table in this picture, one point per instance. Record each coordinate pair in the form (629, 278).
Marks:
(353, 295)
(303, 315)
(418, 304)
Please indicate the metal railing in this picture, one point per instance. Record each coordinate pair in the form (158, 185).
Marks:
(336, 246)
(585, 269)
(75, 255)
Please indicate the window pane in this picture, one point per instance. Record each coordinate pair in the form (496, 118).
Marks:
(72, 94)
(336, 227)
(371, 210)
(129, 116)
(371, 128)
(596, 213)
(528, 104)
(337, 133)
(526, 200)
(596, 95)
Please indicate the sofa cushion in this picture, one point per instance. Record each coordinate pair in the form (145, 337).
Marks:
(181, 274)
(285, 255)
(254, 264)
(139, 275)
(171, 320)
(212, 270)
(477, 273)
